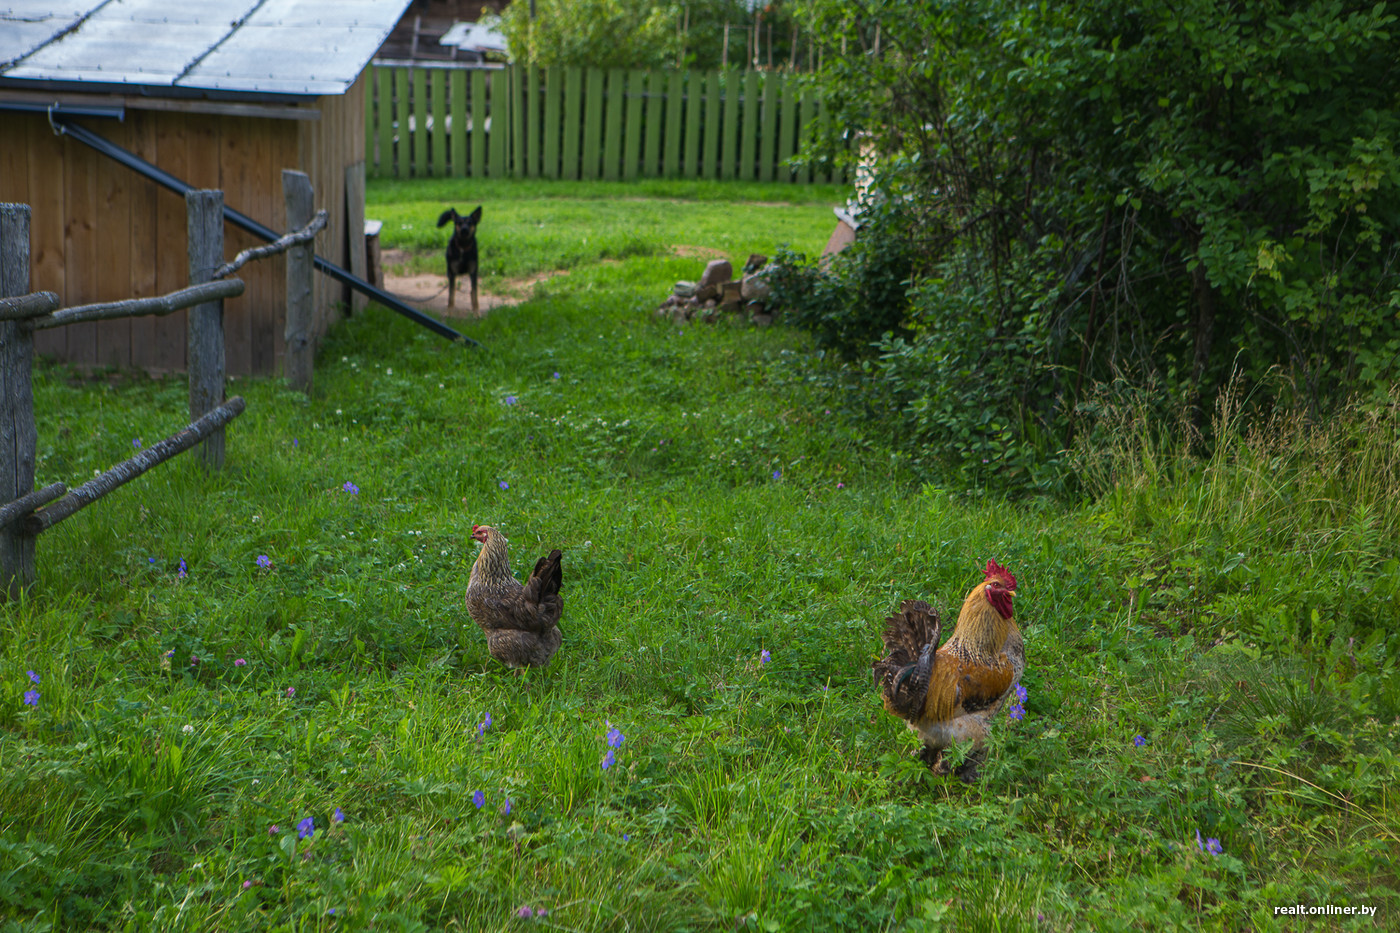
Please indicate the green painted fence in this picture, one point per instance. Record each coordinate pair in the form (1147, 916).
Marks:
(572, 123)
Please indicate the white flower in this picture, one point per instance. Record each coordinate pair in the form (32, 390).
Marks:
(389, 371)
(188, 729)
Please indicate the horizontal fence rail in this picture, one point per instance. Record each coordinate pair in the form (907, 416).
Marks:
(577, 123)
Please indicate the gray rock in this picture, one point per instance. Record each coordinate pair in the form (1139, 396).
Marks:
(717, 272)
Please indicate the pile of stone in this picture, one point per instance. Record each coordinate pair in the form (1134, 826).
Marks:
(716, 294)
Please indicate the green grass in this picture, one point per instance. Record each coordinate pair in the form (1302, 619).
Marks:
(532, 227)
(716, 494)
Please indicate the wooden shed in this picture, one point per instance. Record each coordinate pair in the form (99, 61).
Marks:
(218, 94)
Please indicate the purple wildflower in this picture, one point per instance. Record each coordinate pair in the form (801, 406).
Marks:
(542, 912)
(556, 375)
(337, 816)
(351, 488)
(306, 829)
(510, 399)
(264, 561)
(33, 677)
(239, 662)
(272, 830)
(777, 475)
(182, 574)
(764, 657)
(1139, 741)
(1213, 846)
(31, 698)
(1021, 694)
(840, 485)
(151, 559)
(136, 442)
(505, 808)
(608, 760)
(504, 484)
(1017, 712)
(479, 798)
(614, 737)
(524, 913)
(247, 885)
(291, 692)
(295, 442)
(482, 726)
(626, 837)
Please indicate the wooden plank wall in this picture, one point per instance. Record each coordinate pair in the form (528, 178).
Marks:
(586, 123)
(100, 232)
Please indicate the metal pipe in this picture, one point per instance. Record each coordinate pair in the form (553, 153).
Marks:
(165, 179)
(117, 113)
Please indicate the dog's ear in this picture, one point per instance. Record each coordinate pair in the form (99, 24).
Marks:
(450, 214)
(475, 217)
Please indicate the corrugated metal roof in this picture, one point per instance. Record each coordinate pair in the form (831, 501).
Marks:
(303, 47)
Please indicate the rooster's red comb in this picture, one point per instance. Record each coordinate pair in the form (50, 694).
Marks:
(997, 570)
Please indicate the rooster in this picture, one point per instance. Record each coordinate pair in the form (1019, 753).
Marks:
(949, 695)
(521, 622)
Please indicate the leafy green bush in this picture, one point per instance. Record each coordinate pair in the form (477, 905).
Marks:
(593, 33)
(1169, 194)
(850, 300)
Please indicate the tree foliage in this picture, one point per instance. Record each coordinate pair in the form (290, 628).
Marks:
(1091, 190)
(621, 33)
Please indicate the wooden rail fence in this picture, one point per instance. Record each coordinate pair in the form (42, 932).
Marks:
(26, 511)
(574, 123)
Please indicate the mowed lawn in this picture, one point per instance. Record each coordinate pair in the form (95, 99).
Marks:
(261, 705)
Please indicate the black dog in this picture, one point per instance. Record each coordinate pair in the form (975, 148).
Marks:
(461, 251)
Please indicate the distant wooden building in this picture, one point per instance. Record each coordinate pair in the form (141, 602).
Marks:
(218, 94)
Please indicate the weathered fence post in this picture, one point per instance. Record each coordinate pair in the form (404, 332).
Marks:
(296, 190)
(355, 226)
(204, 211)
(18, 436)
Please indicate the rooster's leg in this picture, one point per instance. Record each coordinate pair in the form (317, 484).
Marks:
(967, 772)
(933, 757)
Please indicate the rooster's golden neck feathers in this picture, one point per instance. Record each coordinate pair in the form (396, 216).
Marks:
(986, 619)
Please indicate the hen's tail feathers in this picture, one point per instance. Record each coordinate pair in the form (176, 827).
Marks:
(911, 637)
(542, 590)
(546, 578)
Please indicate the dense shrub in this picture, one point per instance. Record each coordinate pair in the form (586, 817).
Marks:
(1170, 194)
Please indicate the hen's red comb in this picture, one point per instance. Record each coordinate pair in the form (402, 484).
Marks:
(474, 528)
(997, 570)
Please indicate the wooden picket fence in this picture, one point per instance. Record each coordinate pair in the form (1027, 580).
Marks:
(575, 123)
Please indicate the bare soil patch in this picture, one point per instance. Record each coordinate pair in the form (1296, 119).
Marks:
(428, 291)
(699, 252)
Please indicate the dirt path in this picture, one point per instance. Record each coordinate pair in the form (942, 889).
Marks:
(428, 291)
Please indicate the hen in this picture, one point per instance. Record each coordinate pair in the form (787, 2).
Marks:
(521, 622)
(949, 695)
